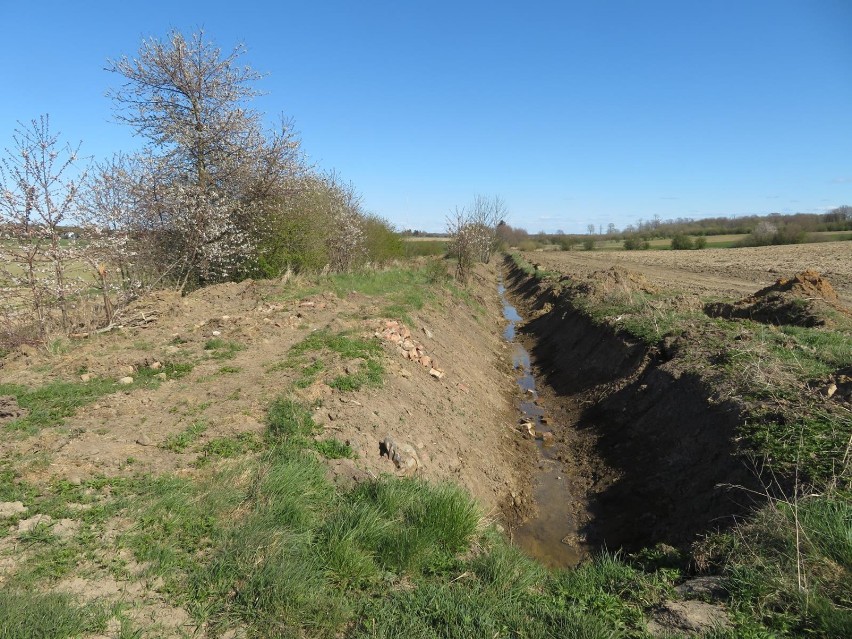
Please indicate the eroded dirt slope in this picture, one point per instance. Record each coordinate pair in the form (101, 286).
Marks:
(458, 423)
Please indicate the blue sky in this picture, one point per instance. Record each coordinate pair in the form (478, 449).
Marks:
(573, 112)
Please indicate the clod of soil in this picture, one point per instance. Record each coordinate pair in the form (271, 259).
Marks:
(806, 299)
(9, 409)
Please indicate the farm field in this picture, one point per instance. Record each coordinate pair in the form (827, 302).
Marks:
(714, 272)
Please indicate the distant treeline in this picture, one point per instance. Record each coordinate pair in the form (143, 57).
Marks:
(774, 228)
(839, 219)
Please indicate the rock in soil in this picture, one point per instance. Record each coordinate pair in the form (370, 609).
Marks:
(686, 617)
(403, 456)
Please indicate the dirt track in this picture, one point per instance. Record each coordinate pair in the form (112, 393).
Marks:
(715, 272)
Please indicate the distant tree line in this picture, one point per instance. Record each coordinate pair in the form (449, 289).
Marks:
(689, 233)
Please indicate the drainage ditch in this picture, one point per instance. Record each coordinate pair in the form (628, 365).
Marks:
(552, 536)
(641, 454)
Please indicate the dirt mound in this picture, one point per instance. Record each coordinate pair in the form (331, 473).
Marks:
(246, 290)
(614, 281)
(150, 308)
(805, 284)
(806, 299)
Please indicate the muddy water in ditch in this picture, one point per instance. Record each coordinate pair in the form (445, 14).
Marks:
(551, 536)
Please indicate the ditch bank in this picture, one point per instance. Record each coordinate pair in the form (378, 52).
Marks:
(649, 457)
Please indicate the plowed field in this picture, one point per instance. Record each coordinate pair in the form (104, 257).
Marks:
(732, 272)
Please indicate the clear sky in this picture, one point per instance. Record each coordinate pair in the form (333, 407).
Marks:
(574, 112)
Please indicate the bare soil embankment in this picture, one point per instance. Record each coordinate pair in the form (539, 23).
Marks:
(450, 420)
(457, 422)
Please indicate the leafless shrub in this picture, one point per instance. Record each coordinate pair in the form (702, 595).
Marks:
(39, 190)
(473, 232)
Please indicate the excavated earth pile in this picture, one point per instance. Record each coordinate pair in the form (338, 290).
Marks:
(806, 299)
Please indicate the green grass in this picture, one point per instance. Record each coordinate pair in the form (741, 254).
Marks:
(50, 404)
(327, 345)
(287, 420)
(179, 442)
(228, 447)
(222, 349)
(309, 373)
(402, 290)
(334, 449)
(795, 585)
(267, 543)
(228, 370)
(34, 615)
(814, 442)
(418, 248)
(371, 374)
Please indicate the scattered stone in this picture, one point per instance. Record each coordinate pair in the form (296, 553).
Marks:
(216, 333)
(143, 440)
(127, 370)
(155, 366)
(161, 376)
(427, 332)
(75, 480)
(686, 617)
(11, 508)
(402, 455)
(225, 318)
(397, 333)
(528, 429)
(28, 525)
(434, 372)
(547, 439)
(831, 390)
(405, 373)
(125, 381)
(307, 304)
(86, 377)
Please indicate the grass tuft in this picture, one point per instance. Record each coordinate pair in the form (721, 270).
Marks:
(222, 349)
(179, 442)
(34, 615)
